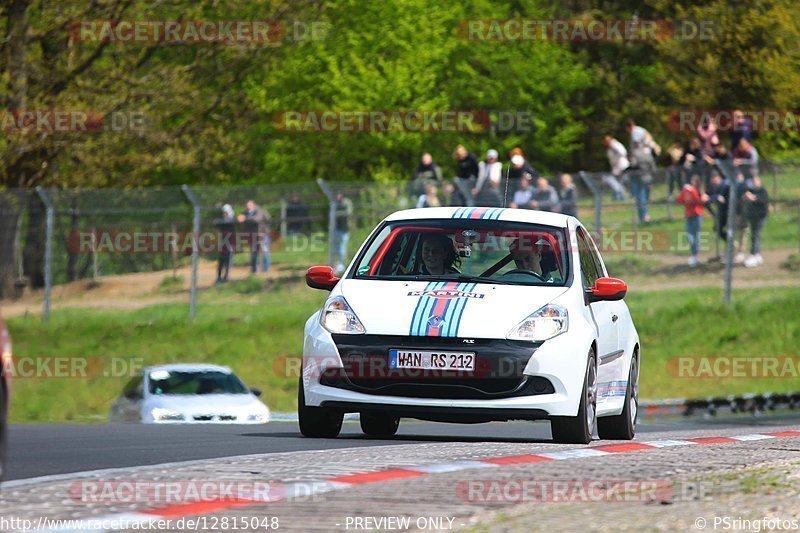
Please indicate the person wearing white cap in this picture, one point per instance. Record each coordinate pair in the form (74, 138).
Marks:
(519, 167)
(490, 172)
(226, 226)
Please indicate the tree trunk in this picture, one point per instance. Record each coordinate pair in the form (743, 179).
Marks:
(10, 209)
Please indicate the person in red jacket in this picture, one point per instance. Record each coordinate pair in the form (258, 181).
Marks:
(694, 199)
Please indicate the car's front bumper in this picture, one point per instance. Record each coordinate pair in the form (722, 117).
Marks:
(560, 362)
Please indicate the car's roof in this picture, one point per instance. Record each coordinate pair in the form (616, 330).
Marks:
(189, 367)
(531, 216)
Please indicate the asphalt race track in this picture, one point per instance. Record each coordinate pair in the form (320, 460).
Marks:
(50, 449)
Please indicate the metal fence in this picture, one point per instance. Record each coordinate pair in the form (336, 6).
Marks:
(54, 236)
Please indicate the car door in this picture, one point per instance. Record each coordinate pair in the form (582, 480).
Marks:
(605, 319)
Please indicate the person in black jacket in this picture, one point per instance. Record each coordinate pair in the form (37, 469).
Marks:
(297, 220)
(755, 208)
(568, 195)
(226, 227)
(466, 176)
(427, 171)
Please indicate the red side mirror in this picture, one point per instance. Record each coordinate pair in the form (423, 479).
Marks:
(607, 290)
(321, 277)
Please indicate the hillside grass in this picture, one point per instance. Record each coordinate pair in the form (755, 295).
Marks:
(254, 333)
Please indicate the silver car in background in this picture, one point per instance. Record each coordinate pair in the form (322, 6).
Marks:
(188, 394)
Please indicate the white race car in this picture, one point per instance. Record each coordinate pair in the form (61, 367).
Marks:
(472, 315)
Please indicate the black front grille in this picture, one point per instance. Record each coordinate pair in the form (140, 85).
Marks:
(498, 373)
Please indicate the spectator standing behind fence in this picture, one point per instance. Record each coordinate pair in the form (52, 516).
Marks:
(755, 208)
(466, 175)
(427, 171)
(692, 197)
(545, 196)
(717, 189)
(617, 156)
(519, 167)
(523, 196)
(490, 195)
(256, 225)
(430, 198)
(568, 196)
(690, 161)
(742, 129)
(643, 150)
(226, 227)
(707, 135)
(343, 207)
(490, 174)
(745, 159)
(674, 170)
(297, 220)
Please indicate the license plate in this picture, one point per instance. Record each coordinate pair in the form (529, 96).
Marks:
(425, 360)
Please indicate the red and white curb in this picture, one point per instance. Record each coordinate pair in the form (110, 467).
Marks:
(293, 490)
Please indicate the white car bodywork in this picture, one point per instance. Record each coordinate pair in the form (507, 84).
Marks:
(384, 308)
(140, 405)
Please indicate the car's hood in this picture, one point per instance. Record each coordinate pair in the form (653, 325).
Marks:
(449, 310)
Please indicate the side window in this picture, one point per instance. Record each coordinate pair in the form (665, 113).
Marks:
(588, 266)
(595, 255)
(134, 389)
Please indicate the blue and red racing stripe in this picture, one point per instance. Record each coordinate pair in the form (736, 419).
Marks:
(439, 317)
(478, 213)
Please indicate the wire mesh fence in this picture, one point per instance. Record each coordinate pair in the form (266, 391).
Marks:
(96, 233)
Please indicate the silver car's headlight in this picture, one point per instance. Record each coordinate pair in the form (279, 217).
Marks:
(338, 317)
(542, 324)
(165, 415)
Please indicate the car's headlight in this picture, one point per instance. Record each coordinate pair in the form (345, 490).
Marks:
(337, 317)
(543, 324)
(165, 415)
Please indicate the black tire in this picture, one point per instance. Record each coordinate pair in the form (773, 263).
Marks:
(317, 422)
(580, 428)
(379, 424)
(623, 425)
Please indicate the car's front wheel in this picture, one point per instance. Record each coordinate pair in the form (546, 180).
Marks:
(579, 429)
(623, 425)
(317, 422)
(379, 424)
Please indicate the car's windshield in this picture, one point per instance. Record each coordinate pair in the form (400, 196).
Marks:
(164, 382)
(482, 250)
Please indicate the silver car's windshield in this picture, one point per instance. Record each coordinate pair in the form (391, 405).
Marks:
(163, 382)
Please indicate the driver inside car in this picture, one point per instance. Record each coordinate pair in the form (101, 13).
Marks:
(439, 255)
(528, 260)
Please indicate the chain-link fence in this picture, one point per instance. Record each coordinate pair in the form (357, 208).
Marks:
(55, 236)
